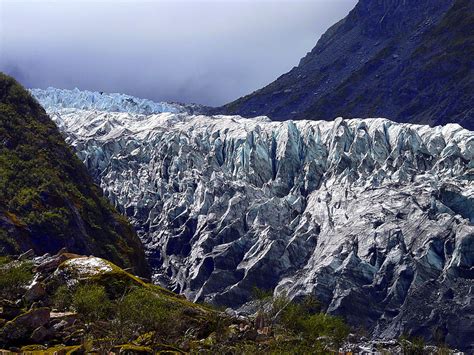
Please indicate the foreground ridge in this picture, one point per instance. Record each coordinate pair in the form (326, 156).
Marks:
(70, 303)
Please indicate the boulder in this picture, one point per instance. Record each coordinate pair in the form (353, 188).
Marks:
(22, 326)
(9, 309)
(35, 292)
(54, 261)
(39, 334)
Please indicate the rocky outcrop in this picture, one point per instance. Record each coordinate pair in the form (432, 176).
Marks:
(409, 61)
(372, 217)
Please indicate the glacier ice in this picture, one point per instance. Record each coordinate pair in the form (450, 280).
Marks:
(374, 218)
(93, 100)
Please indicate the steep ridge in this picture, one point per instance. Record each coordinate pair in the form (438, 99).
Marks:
(374, 218)
(410, 61)
(47, 199)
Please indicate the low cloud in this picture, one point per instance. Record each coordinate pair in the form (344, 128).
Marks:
(208, 52)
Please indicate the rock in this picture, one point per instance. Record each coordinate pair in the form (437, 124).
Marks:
(22, 326)
(9, 309)
(62, 251)
(250, 334)
(39, 334)
(82, 268)
(51, 263)
(27, 255)
(59, 325)
(61, 320)
(35, 292)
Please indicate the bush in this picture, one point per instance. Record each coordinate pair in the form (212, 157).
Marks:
(412, 346)
(62, 298)
(14, 277)
(261, 294)
(4, 260)
(324, 325)
(304, 319)
(142, 311)
(91, 302)
(293, 315)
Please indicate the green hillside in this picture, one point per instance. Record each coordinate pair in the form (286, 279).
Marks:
(47, 199)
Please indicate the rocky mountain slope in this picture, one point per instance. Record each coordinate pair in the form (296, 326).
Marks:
(47, 198)
(410, 61)
(373, 218)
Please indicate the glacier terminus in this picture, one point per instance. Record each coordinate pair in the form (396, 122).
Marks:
(372, 217)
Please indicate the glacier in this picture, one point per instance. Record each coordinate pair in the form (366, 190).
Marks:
(372, 217)
(54, 98)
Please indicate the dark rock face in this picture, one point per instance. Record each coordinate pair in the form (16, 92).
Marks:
(47, 198)
(409, 61)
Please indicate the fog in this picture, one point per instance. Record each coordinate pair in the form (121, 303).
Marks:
(208, 52)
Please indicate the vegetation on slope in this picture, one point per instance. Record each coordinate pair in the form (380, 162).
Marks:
(83, 304)
(47, 199)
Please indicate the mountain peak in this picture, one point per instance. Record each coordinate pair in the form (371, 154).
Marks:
(404, 60)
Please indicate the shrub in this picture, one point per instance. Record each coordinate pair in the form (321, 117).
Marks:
(412, 346)
(4, 260)
(91, 302)
(305, 320)
(13, 277)
(293, 315)
(62, 298)
(142, 311)
(324, 325)
(261, 294)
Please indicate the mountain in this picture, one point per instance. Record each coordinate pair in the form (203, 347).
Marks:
(373, 218)
(409, 61)
(48, 201)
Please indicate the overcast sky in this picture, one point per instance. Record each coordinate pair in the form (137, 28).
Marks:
(208, 52)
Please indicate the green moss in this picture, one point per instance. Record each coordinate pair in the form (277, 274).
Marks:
(133, 349)
(63, 350)
(32, 348)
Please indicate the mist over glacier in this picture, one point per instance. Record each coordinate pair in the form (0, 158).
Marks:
(208, 52)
